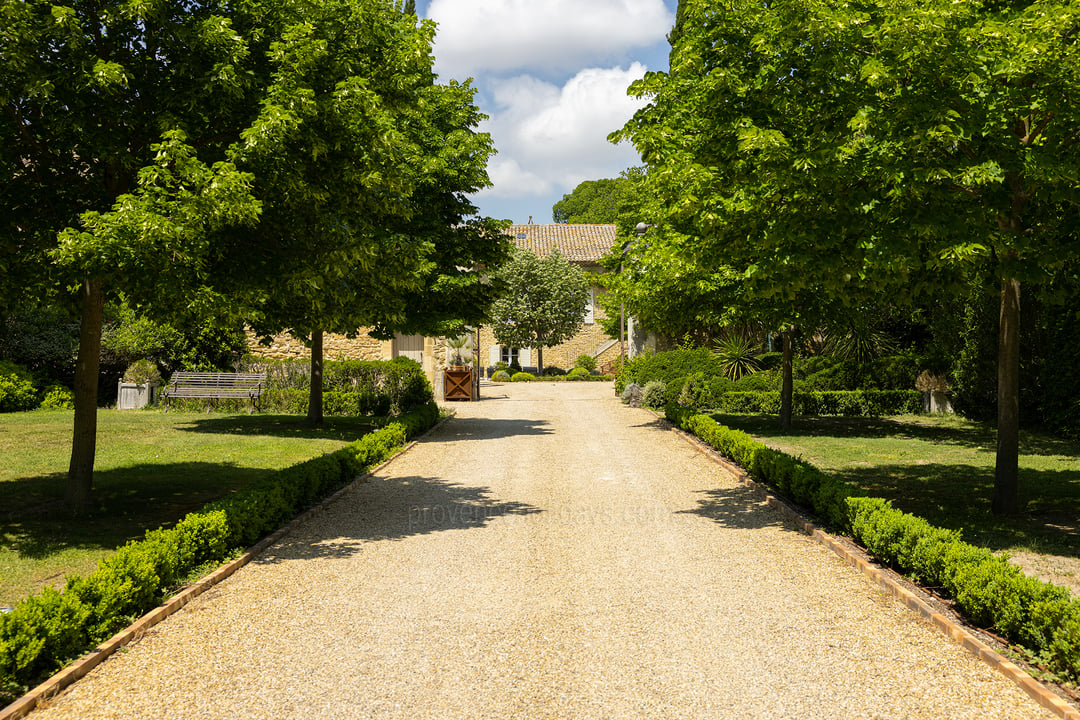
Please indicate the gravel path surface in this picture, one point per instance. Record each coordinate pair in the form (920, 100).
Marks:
(548, 553)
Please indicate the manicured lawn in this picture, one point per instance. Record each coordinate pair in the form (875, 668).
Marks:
(942, 468)
(152, 468)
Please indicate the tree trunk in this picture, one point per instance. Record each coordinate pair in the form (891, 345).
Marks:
(1006, 497)
(539, 361)
(315, 403)
(786, 388)
(79, 493)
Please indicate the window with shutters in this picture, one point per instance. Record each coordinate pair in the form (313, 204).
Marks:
(590, 304)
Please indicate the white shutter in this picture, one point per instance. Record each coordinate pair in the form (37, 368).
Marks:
(410, 346)
(494, 354)
(524, 357)
(590, 302)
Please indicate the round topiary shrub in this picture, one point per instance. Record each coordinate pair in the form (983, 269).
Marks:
(522, 377)
(58, 397)
(500, 376)
(588, 362)
(654, 395)
(17, 390)
(578, 372)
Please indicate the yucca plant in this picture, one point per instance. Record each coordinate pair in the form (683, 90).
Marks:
(735, 354)
(858, 341)
(461, 350)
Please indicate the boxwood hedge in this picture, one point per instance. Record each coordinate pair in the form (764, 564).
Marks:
(47, 630)
(992, 592)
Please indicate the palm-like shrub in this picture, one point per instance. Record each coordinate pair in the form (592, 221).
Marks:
(736, 355)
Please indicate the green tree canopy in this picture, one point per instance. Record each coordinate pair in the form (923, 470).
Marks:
(597, 201)
(873, 148)
(364, 185)
(543, 304)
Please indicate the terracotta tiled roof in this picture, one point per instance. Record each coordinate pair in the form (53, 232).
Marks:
(577, 243)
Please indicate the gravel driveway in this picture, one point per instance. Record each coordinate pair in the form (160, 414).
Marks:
(548, 553)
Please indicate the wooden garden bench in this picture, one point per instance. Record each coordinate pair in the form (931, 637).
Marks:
(229, 386)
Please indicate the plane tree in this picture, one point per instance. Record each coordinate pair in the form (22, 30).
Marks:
(366, 221)
(114, 127)
(876, 148)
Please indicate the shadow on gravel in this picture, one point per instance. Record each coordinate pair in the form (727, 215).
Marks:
(392, 509)
(656, 424)
(487, 429)
(739, 508)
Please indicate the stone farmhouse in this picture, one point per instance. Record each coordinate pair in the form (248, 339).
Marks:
(582, 245)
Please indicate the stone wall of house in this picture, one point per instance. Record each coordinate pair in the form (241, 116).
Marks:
(335, 347)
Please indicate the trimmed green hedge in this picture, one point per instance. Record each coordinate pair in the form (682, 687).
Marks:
(572, 376)
(670, 366)
(991, 591)
(46, 631)
(351, 387)
(871, 403)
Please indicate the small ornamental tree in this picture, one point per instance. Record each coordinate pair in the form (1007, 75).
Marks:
(543, 304)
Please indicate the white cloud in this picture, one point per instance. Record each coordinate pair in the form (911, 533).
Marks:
(551, 138)
(559, 35)
(509, 179)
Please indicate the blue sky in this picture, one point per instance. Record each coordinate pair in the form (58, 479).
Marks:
(552, 76)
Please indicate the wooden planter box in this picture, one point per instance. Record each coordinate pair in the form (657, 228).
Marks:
(458, 384)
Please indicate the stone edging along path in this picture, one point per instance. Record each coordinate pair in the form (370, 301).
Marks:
(81, 667)
(890, 582)
(887, 580)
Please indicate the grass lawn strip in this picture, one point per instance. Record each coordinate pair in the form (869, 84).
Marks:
(152, 469)
(941, 468)
(200, 580)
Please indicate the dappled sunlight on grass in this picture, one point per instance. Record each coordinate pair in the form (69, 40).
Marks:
(152, 468)
(942, 468)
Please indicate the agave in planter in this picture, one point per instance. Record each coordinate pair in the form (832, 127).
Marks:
(460, 351)
(458, 378)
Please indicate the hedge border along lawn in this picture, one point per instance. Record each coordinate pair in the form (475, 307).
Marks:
(1039, 616)
(46, 631)
(852, 403)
